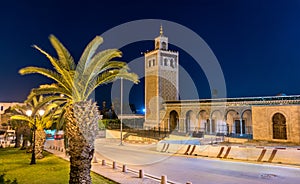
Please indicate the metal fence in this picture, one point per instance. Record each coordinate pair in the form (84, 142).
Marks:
(136, 128)
(154, 133)
(224, 130)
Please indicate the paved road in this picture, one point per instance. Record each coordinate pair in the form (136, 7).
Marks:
(196, 169)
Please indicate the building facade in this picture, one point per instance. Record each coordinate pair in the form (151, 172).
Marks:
(273, 118)
(3, 107)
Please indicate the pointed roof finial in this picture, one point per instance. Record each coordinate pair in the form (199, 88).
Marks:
(161, 30)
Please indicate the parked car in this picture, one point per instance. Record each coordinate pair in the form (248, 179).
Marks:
(7, 138)
(59, 135)
(50, 134)
(2, 141)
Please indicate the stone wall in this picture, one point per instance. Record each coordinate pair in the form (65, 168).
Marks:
(263, 124)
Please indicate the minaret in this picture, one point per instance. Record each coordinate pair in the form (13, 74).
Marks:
(161, 79)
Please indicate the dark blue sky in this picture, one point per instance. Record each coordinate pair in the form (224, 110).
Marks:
(257, 43)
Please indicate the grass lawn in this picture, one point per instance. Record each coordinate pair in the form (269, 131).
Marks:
(49, 170)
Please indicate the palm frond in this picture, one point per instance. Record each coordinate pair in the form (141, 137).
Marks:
(47, 104)
(22, 118)
(110, 76)
(58, 117)
(19, 109)
(124, 74)
(100, 59)
(65, 74)
(51, 90)
(114, 65)
(87, 54)
(52, 60)
(64, 56)
(95, 67)
(48, 73)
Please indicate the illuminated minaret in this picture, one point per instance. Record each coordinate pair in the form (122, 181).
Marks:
(161, 79)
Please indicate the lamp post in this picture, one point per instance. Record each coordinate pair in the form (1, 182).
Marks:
(121, 123)
(29, 113)
(121, 109)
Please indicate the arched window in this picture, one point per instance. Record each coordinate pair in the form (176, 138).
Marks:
(207, 126)
(164, 45)
(165, 62)
(279, 126)
(188, 119)
(173, 120)
(172, 64)
(157, 45)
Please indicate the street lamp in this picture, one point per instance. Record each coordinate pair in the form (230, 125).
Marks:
(121, 125)
(29, 113)
(121, 109)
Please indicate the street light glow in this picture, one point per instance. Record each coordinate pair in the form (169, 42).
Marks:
(41, 112)
(29, 112)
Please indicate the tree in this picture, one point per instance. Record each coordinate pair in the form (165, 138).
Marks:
(74, 84)
(35, 120)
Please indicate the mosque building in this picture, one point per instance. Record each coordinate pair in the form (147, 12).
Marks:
(271, 118)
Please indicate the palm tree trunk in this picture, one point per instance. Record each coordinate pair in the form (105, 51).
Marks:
(39, 143)
(17, 140)
(81, 129)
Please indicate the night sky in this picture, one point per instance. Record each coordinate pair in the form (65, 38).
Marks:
(257, 43)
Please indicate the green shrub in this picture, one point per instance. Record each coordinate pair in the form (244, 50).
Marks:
(3, 181)
(109, 124)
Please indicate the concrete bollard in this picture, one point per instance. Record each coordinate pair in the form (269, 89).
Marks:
(163, 179)
(124, 168)
(141, 173)
(95, 159)
(114, 165)
(103, 163)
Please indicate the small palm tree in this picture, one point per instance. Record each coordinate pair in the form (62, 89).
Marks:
(35, 120)
(75, 84)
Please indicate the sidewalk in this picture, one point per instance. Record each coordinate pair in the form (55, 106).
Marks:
(129, 177)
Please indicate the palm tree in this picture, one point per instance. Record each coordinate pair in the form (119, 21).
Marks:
(75, 84)
(36, 121)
